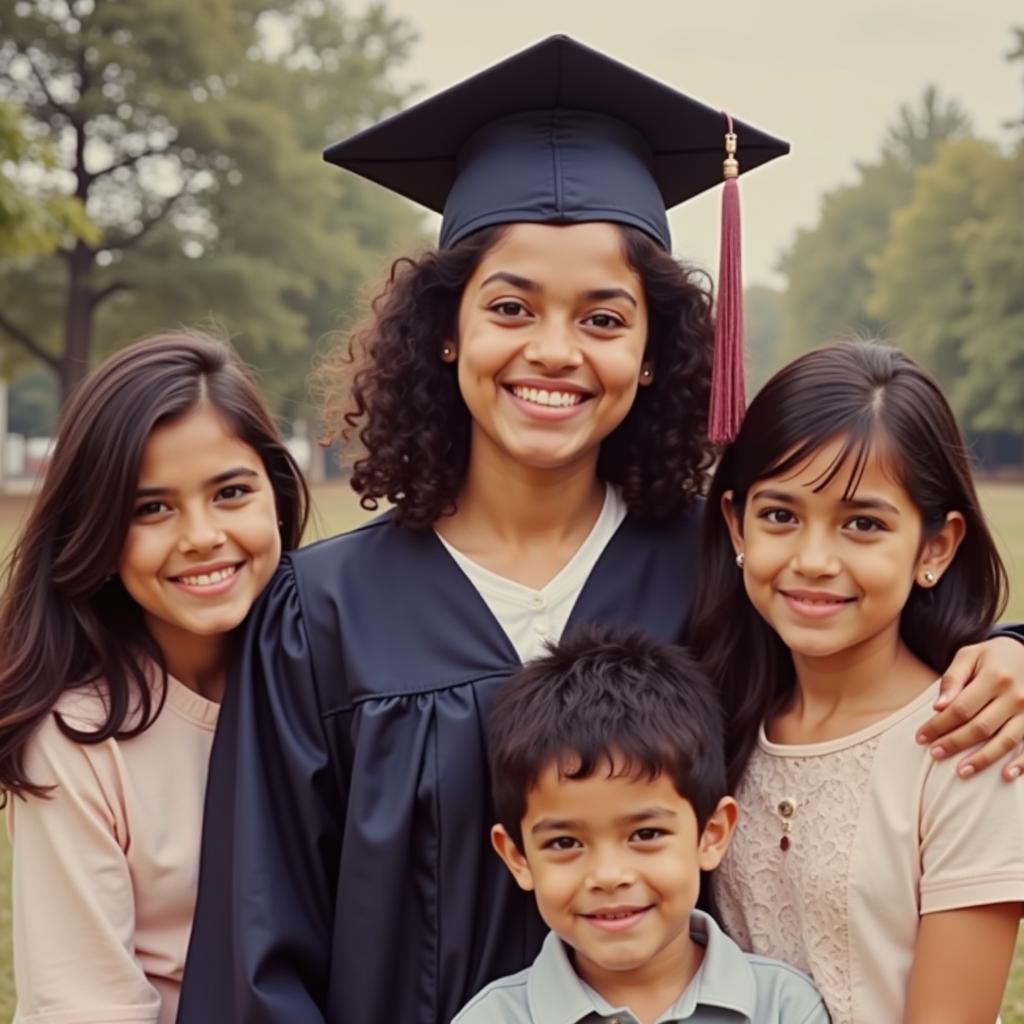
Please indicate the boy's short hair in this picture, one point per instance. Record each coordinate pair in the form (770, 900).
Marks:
(604, 697)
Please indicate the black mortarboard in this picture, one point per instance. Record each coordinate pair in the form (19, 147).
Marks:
(558, 133)
(562, 134)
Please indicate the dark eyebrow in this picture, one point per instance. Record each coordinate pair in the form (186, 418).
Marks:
(602, 294)
(568, 824)
(554, 825)
(596, 294)
(766, 494)
(228, 474)
(865, 504)
(876, 504)
(647, 813)
(513, 279)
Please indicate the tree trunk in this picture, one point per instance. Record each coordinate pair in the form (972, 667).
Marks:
(74, 363)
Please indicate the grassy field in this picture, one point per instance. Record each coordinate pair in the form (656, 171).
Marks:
(336, 510)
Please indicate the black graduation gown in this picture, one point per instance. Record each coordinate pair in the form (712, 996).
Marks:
(347, 873)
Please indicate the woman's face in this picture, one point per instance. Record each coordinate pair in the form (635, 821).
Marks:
(204, 538)
(552, 334)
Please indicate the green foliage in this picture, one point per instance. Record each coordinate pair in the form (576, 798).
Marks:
(762, 308)
(951, 280)
(31, 220)
(916, 135)
(926, 249)
(830, 266)
(32, 403)
(191, 130)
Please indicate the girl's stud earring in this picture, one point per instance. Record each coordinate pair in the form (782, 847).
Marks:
(645, 373)
(929, 577)
(739, 560)
(447, 352)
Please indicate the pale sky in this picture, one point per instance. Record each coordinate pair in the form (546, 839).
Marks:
(828, 75)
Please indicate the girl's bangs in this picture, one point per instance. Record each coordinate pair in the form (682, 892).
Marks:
(859, 441)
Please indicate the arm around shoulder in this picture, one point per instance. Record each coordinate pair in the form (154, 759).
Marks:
(261, 939)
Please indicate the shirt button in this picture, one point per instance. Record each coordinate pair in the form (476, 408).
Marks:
(540, 628)
(537, 601)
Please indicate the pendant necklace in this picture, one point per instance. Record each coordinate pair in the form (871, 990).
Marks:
(786, 809)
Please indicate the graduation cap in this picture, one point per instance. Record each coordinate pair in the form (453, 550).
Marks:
(562, 134)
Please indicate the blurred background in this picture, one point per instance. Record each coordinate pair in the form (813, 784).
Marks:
(160, 165)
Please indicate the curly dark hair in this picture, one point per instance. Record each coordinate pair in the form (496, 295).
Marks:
(390, 386)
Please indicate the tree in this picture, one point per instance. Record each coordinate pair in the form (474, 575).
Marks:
(32, 403)
(916, 135)
(1017, 53)
(183, 127)
(31, 222)
(763, 322)
(951, 280)
(829, 267)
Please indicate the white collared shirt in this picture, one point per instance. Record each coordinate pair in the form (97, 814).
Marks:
(531, 618)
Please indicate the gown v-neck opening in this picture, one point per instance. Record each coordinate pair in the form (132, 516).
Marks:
(531, 617)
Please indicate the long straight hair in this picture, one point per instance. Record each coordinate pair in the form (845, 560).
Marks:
(65, 618)
(862, 394)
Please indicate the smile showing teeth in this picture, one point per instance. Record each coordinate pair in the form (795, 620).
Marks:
(541, 396)
(615, 916)
(207, 579)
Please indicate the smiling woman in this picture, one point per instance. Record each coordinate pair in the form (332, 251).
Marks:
(202, 542)
(552, 330)
(164, 511)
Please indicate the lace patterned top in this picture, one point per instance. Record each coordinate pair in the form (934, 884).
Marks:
(843, 845)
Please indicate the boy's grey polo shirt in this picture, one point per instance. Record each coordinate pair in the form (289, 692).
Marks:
(730, 987)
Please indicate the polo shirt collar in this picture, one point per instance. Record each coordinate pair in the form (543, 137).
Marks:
(557, 995)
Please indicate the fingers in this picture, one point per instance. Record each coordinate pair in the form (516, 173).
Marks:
(1014, 769)
(1004, 742)
(958, 716)
(961, 671)
(989, 711)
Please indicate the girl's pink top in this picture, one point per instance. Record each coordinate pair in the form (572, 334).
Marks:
(880, 833)
(105, 870)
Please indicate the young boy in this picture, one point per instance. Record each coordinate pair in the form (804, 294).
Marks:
(609, 784)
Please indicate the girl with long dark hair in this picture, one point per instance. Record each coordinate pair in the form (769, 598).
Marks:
(163, 513)
(846, 545)
(532, 398)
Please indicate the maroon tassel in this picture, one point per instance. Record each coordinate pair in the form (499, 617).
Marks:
(728, 392)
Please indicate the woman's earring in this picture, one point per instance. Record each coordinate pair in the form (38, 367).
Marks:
(739, 560)
(448, 352)
(646, 374)
(929, 577)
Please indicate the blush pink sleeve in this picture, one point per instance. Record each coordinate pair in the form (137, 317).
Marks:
(73, 902)
(971, 841)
